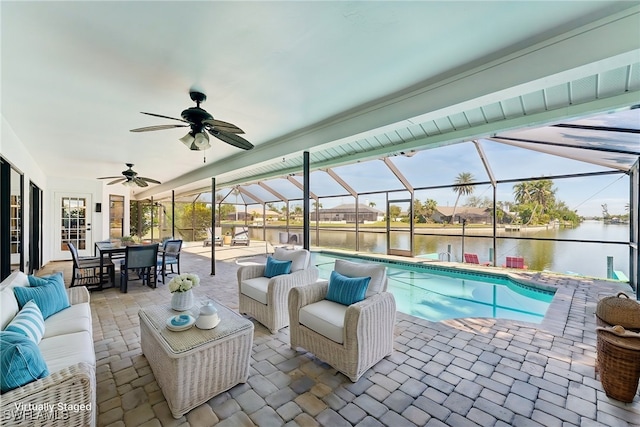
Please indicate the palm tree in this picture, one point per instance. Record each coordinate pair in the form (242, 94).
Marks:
(544, 193)
(462, 186)
(523, 195)
(522, 192)
(539, 194)
(236, 192)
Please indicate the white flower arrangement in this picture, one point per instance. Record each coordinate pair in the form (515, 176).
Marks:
(183, 282)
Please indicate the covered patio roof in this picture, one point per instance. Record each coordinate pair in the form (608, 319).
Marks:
(345, 81)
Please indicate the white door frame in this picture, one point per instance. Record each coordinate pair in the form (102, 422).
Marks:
(76, 226)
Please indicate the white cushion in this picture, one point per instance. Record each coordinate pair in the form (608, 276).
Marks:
(299, 257)
(76, 318)
(63, 351)
(326, 318)
(8, 307)
(377, 272)
(8, 303)
(256, 288)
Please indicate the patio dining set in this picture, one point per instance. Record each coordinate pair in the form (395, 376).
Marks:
(143, 262)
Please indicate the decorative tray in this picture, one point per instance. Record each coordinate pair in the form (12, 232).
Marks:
(181, 322)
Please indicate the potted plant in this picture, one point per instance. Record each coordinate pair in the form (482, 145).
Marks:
(181, 287)
(127, 240)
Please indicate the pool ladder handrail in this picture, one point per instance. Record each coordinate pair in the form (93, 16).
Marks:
(447, 254)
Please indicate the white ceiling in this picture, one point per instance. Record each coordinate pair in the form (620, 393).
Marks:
(333, 78)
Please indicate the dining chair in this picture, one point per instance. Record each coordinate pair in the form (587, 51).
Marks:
(87, 271)
(140, 262)
(169, 256)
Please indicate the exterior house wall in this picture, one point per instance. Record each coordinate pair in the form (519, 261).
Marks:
(347, 213)
(14, 151)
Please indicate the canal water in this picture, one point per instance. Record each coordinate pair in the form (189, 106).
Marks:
(587, 259)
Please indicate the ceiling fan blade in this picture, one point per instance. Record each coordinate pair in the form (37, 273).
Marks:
(153, 181)
(157, 127)
(139, 182)
(232, 139)
(223, 126)
(163, 117)
(117, 181)
(109, 177)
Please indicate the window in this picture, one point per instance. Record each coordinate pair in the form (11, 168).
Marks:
(12, 219)
(116, 216)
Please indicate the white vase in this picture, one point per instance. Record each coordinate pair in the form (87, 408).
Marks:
(181, 301)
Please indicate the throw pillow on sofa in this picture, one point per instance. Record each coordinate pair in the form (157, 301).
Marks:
(21, 361)
(43, 280)
(49, 294)
(28, 322)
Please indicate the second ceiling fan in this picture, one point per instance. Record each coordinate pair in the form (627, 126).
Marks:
(130, 178)
(201, 123)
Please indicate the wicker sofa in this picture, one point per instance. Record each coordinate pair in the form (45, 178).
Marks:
(67, 396)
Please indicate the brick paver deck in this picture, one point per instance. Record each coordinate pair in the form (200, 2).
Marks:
(465, 372)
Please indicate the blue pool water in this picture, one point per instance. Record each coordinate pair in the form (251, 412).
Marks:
(437, 293)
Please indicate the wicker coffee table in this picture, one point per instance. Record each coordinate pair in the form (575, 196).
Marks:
(195, 365)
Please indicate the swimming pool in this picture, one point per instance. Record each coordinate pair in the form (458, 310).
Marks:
(438, 293)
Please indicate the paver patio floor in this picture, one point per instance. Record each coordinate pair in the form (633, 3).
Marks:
(465, 372)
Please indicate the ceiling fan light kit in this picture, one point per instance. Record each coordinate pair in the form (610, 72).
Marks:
(200, 122)
(196, 142)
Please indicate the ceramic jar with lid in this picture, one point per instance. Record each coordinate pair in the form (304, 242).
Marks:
(208, 318)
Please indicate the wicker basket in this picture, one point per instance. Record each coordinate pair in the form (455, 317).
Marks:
(619, 310)
(619, 362)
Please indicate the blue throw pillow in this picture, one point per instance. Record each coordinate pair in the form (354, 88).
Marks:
(38, 281)
(28, 322)
(276, 267)
(347, 290)
(50, 297)
(21, 361)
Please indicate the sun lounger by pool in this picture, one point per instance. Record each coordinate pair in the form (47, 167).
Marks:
(240, 236)
(515, 262)
(473, 259)
(215, 237)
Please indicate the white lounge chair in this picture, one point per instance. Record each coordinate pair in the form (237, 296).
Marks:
(240, 236)
(215, 237)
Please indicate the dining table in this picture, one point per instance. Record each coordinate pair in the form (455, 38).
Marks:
(109, 249)
(113, 249)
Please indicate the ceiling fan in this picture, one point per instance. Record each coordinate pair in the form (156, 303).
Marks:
(130, 178)
(200, 121)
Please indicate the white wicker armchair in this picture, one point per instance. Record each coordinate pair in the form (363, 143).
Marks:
(350, 338)
(266, 298)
